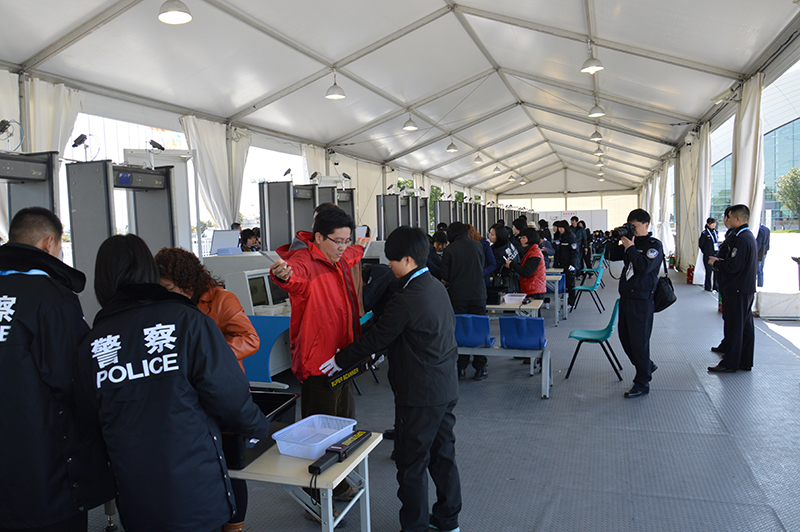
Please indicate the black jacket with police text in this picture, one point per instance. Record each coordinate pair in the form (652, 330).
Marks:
(53, 465)
(738, 262)
(418, 328)
(568, 251)
(161, 379)
(640, 267)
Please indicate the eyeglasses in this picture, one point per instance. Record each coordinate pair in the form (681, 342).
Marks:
(339, 243)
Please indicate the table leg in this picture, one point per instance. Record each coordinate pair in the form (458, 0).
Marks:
(363, 470)
(546, 374)
(557, 300)
(327, 510)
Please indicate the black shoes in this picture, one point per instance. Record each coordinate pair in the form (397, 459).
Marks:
(718, 349)
(481, 374)
(462, 374)
(720, 369)
(388, 434)
(653, 368)
(636, 392)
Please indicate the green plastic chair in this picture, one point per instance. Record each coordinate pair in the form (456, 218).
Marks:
(592, 291)
(598, 337)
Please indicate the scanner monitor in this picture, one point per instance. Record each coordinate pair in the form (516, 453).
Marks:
(254, 289)
(223, 239)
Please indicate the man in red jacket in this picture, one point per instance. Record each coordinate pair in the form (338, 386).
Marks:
(325, 312)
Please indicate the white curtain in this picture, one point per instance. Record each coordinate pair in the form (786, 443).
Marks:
(238, 147)
(220, 165)
(52, 111)
(747, 170)
(9, 110)
(703, 163)
(665, 196)
(314, 158)
(687, 198)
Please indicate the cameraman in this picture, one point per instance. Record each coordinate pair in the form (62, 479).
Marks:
(642, 255)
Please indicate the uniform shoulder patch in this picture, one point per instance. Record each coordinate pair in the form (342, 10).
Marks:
(734, 251)
(574, 246)
(652, 253)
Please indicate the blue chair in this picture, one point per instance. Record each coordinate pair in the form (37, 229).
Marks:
(592, 291)
(522, 332)
(473, 331)
(598, 337)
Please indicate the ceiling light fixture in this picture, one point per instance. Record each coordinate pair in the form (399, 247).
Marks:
(596, 136)
(511, 178)
(174, 12)
(599, 151)
(601, 179)
(600, 163)
(452, 148)
(596, 111)
(497, 169)
(600, 172)
(521, 183)
(478, 159)
(591, 65)
(410, 125)
(335, 92)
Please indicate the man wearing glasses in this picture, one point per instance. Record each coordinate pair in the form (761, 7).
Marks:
(325, 311)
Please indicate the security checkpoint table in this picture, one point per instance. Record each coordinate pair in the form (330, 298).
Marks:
(292, 474)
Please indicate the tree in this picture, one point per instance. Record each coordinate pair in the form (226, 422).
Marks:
(436, 195)
(788, 192)
(459, 197)
(403, 184)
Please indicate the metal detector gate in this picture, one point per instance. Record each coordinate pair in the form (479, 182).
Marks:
(91, 188)
(31, 179)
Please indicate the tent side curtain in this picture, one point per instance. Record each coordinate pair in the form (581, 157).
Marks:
(664, 231)
(9, 110)
(747, 168)
(208, 139)
(693, 198)
(238, 144)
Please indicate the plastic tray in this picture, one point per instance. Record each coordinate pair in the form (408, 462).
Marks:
(514, 299)
(309, 437)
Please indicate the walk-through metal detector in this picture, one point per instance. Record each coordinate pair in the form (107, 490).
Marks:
(424, 219)
(326, 195)
(480, 218)
(492, 215)
(92, 217)
(346, 200)
(408, 211)
(276, 206)
(388, 206)
(31, 179)
(442, 213)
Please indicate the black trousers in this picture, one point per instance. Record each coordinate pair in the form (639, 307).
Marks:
(477, 307)
(572, 295)
(635, 327)
(425, 442)
(740, 339)
(711, 277)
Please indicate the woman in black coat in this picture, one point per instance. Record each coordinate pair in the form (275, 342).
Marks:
(567, 256)
(161, 379)
(503, 250)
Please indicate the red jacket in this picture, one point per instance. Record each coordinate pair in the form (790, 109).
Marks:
(536, 283)
(224, 308)
(325, 310)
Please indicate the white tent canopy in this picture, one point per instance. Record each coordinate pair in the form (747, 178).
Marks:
(498, 78)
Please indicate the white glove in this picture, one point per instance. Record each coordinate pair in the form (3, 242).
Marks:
(572, 268)
(329, 367)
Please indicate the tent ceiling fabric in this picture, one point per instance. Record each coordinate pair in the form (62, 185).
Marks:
(499, 78)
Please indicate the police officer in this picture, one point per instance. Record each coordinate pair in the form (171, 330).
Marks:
(709, 245)
(568, 256)
(738, 267)
(53, 464)
(642, 255)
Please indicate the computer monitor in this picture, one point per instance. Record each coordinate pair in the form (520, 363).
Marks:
(258, 290)
(222, 239)
(276, 294)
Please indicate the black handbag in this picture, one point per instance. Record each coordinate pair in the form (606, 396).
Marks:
(665, 293)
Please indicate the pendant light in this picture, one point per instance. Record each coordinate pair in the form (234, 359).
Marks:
(600, 163)
(599, 151)
(591, 65)
(478, 159)
(497, 169)
(596, 111)
(511, 178)
(452, 148)
(410, 125)
(596, 136)
(335, 92)
(174, 12)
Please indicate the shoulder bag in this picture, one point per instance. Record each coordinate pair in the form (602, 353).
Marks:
(665, 293)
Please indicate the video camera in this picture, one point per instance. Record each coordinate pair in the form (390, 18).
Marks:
(627, 230)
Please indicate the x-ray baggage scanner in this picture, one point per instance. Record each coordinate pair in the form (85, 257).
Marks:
(31, 179)
(91, 188)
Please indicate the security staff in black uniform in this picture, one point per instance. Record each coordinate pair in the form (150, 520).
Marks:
(738, 269)
(709, 245)
(568, 256)
(162, 380)
(418, 329)
(53, 464)
(643, 255)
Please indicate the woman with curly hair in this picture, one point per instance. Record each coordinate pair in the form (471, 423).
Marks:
(183, 273)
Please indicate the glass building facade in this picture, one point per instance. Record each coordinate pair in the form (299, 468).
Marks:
(781, 154)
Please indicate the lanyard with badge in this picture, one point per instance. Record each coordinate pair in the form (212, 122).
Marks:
(416, 274)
